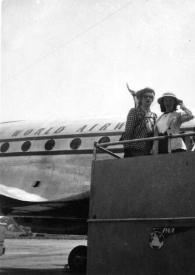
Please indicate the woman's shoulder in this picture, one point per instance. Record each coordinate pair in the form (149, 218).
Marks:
(133, 111)
(135, 114)
(175, 114)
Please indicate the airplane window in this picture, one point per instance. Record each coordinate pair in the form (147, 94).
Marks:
(49, 144)
(4, 147)
(75, 143)
(104, 139)
(26, 145)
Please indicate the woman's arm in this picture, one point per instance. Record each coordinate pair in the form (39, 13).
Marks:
(130, 124)
(187, 115)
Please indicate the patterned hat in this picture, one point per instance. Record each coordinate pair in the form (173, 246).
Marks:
(143, 91)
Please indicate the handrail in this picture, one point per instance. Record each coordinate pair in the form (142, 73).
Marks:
(108, 151)
(106, 144)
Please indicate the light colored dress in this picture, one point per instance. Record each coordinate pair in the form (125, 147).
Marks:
(169, 123)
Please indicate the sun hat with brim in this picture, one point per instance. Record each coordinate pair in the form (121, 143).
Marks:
(160, 99)
(143, 91)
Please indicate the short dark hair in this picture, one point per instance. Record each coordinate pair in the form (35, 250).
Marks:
(163, 109)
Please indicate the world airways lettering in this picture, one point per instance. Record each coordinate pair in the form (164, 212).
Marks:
(86, 128)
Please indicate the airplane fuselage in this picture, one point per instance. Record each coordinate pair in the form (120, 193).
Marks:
(45, 172)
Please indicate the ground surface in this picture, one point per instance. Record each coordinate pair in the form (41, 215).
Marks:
(36, 256)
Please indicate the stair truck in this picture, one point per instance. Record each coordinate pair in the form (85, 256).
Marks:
(142, 214)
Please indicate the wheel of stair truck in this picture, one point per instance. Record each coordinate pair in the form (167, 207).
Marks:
(77, 259)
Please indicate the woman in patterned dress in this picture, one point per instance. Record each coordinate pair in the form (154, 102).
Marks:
(140, 124)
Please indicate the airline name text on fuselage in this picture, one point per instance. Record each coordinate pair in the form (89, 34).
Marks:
(60, 130)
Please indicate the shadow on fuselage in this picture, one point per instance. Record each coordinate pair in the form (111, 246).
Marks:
(54, 217)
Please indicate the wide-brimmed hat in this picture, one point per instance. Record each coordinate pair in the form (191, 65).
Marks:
(143, 91)
(178, 101)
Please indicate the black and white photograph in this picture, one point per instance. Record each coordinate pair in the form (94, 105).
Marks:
(97, 137)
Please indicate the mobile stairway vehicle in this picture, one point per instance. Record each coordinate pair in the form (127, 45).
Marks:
(142, 214)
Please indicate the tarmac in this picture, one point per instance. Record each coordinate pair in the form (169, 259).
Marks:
(37, 256)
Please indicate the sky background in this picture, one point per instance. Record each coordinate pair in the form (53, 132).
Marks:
(71, 59)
